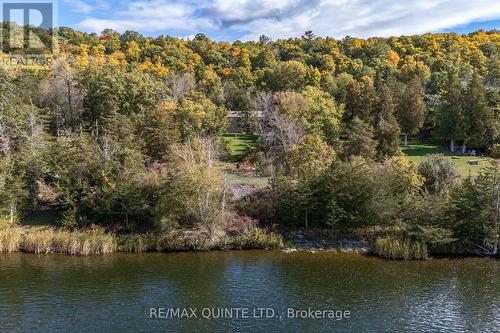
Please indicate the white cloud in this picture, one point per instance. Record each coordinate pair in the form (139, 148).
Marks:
(79, 6)
(247, 19)
(148, 16)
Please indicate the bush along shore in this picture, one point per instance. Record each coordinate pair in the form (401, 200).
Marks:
(96, 241)
(391, 243)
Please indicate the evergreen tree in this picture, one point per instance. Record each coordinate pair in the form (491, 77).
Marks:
(6, 90)
(474, 210)
(13, 192)
(451, 115)
(479, 117)
(412, 109)
(387, 129)
(361, 140)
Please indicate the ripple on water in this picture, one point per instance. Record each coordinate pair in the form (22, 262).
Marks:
(115, 292)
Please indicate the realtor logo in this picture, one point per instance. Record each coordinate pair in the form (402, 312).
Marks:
(27, 27)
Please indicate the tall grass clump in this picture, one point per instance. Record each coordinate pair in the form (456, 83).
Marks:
(257, 239)
(10, 239)
(39, 241)
(136, 243)
(94, 241)
(402, 249)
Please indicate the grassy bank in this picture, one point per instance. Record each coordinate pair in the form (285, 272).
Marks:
(388, 243)
(95, 241)
(177, 241)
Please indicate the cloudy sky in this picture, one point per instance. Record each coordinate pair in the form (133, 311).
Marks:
(247, 19)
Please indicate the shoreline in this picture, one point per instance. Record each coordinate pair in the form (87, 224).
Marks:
(285, 250)
(95, 242)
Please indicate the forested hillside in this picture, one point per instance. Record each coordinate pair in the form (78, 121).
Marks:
(125, 131)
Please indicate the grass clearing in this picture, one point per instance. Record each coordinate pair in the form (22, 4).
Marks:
(239, 145)
(417, 151)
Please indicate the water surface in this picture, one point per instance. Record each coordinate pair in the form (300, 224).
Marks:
(115, 293)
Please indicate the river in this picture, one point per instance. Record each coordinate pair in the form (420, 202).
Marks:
(262, 291)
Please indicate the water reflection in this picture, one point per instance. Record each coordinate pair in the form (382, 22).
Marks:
(115, 292)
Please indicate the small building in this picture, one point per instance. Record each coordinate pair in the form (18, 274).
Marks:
(235, 121)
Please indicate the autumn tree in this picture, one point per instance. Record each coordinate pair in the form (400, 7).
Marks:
(360, 101)
(290, 75)
(197, 194)
(310, 156)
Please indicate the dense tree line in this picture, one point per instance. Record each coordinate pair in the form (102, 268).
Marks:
(124, 130)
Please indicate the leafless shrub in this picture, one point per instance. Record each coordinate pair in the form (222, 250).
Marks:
(62, 94)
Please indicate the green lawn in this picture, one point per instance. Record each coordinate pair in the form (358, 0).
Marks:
(416, 152)
(239, 145)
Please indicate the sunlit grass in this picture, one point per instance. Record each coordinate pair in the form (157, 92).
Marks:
(416, 152)
(239, 145)
(94, 241)
(402, 249)
(10, 238)
(257, 239)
